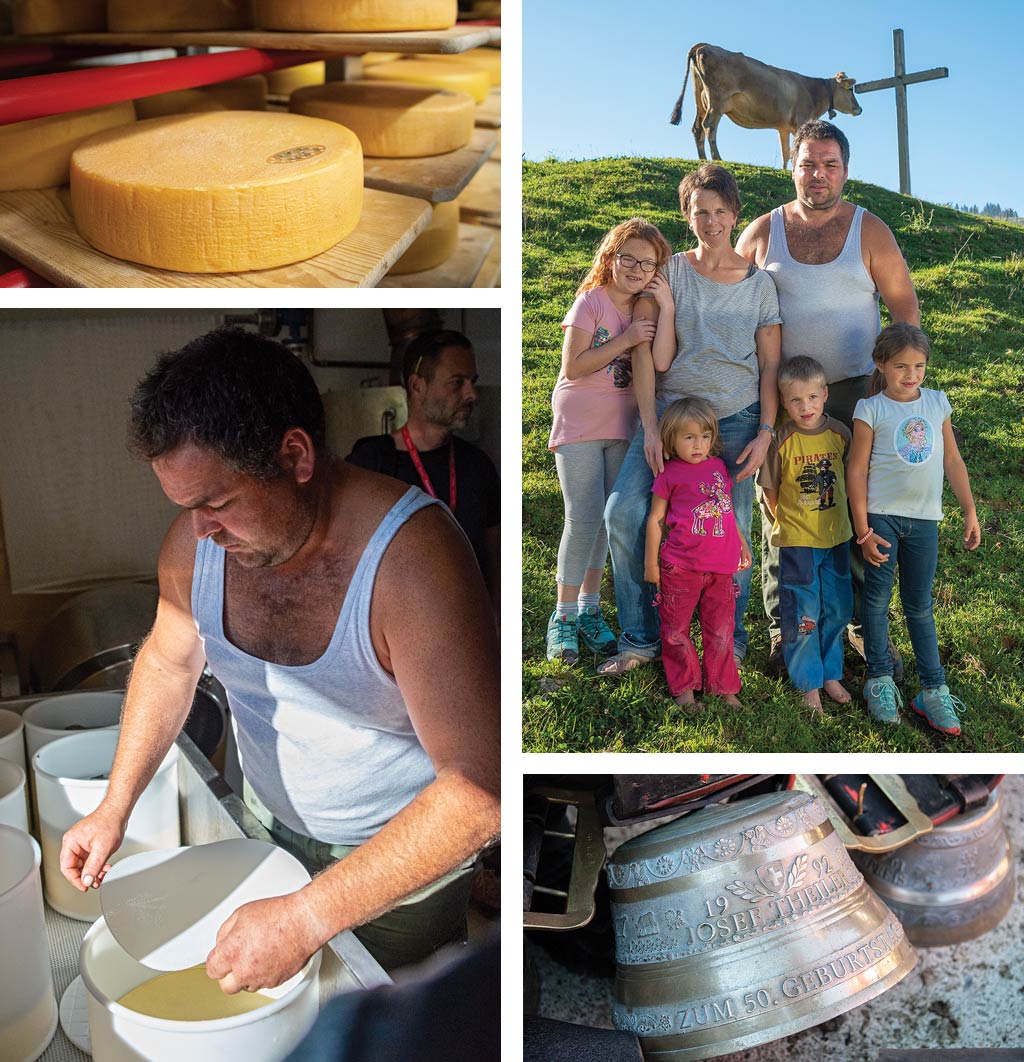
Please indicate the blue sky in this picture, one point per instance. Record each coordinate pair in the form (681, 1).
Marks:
(600, 78)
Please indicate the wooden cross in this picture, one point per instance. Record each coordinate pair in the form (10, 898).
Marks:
(899, 82)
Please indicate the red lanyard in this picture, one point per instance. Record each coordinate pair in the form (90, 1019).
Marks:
(424, 478)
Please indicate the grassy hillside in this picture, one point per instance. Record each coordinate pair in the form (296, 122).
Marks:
(969, 274)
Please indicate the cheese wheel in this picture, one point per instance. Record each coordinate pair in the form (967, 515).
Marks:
(285, 81)
(59, 16)
(486, 59)
(242, 94)
(393, 120)
(369, 58)
(434, 245)
(145, 16)
(37, 153)
(355, 16)
(439, 75)
(218, 193)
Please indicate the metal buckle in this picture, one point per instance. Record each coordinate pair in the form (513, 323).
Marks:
(588, 858)
(895, 790)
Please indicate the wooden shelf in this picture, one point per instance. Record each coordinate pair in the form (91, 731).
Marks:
(460, 271)
(456, 39)
(488, 113)
(436, 178)
(37, 229)
(481, 201)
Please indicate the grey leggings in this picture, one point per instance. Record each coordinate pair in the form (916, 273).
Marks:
(586, 474)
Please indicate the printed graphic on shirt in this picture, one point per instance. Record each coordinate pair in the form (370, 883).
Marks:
(817, 485)
(621, 368)
(718, 504)
(914, 440)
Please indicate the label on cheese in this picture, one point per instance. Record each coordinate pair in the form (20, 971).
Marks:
(393, 120)
(355, 16)
(37, 154)
(285, 81)
(189, 995)
(242, 94)
(59, 16)
(439, 75)
(147, 16)
(434, 245)
(218, 193)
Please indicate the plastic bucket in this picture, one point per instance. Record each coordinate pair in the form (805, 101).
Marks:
(12, 738)
(56, 717)
(13, 796)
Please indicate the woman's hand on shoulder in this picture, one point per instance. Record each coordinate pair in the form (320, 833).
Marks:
(661, 290)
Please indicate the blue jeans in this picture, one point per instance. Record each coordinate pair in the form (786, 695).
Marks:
(625, 518)
(815, 605)
(915, 548)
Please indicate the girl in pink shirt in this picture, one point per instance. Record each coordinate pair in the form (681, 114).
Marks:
(593, 414)
(695, 564)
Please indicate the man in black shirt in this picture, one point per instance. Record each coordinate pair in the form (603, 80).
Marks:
(439, 369)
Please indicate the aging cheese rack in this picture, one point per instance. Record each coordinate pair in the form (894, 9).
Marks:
(37, 230)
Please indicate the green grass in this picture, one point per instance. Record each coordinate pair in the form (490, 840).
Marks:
(969, 274)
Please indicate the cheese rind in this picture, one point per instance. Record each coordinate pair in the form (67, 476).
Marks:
(218, 193)
(242, 94)
(59, 16)
(355, 16)
(37, 153)
(434, 245)
(146, 16)
(439, 75)
(393, 120)
(486, 59)
(285, 81)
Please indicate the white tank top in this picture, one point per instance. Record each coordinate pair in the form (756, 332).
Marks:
(829, 312)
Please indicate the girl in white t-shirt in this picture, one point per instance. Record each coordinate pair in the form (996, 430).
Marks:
(593, 414)
(903, 446)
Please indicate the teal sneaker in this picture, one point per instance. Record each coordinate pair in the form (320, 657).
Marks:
(884, 699)
(595, 633)
(563, 640)
(939, 707)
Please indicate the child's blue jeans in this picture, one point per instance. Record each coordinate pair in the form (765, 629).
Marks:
(815, 605)
(915, 548)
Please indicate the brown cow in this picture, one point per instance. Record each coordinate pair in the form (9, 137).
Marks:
(757, 96)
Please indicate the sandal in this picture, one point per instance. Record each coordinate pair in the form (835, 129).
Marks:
(622, 662)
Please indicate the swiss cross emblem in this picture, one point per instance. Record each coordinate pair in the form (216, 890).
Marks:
(772, 876)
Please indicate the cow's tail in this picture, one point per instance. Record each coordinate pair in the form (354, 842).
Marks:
(677, 112)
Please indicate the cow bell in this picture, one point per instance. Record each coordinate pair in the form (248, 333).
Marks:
(949, 885)
(742, 923)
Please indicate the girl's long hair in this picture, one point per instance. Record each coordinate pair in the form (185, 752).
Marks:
(891, 341)
(635, 228)
(696, 410)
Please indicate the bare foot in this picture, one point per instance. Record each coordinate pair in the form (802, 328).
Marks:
(837, 692)
(732, 700)
(812, 698)
(684, 698)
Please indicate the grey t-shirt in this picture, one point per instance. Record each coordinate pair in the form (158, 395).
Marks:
(716, 354)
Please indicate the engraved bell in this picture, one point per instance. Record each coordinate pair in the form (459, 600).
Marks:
(742, 923)
(949, 885)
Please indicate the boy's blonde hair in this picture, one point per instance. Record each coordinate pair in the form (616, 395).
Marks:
(697, 410)
(635, 228)
(801, 369)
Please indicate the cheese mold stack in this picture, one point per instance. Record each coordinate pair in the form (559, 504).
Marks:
(439, 75)
(145, 16)
(486, 59)
(285, 81)
(434, 245)
(59, 16)
(355, 16)
(242, 94)
(218, 193)
(393, 120)
(37, 153)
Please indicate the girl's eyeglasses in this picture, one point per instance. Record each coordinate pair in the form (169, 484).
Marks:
(630, 262)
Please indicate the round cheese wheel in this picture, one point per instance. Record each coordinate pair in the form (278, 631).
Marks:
(393, 120)
(133, 16)
(285, 81)
(59, 16)
(486, 59)
(218, 193)
(369, 58)
(439, 75)
(37, 153)
(242, 94)
(435, 244)
(355, 16)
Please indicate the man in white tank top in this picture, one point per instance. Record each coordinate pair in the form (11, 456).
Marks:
(829, 283)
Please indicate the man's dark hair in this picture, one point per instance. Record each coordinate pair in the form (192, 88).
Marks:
(232, 392)
(423, 352)
(821, 131)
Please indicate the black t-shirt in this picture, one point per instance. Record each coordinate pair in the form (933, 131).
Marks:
(476, 492)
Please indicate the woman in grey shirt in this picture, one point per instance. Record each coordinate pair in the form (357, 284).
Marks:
(727, 336)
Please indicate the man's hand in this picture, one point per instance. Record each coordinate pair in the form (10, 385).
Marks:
(263, 944)
(654, 451)
(89, 844)
(754, 454)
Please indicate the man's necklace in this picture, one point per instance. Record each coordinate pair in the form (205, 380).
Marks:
(422, 472)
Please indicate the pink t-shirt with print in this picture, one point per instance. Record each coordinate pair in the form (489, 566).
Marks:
(700, 527)
(600, 405)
